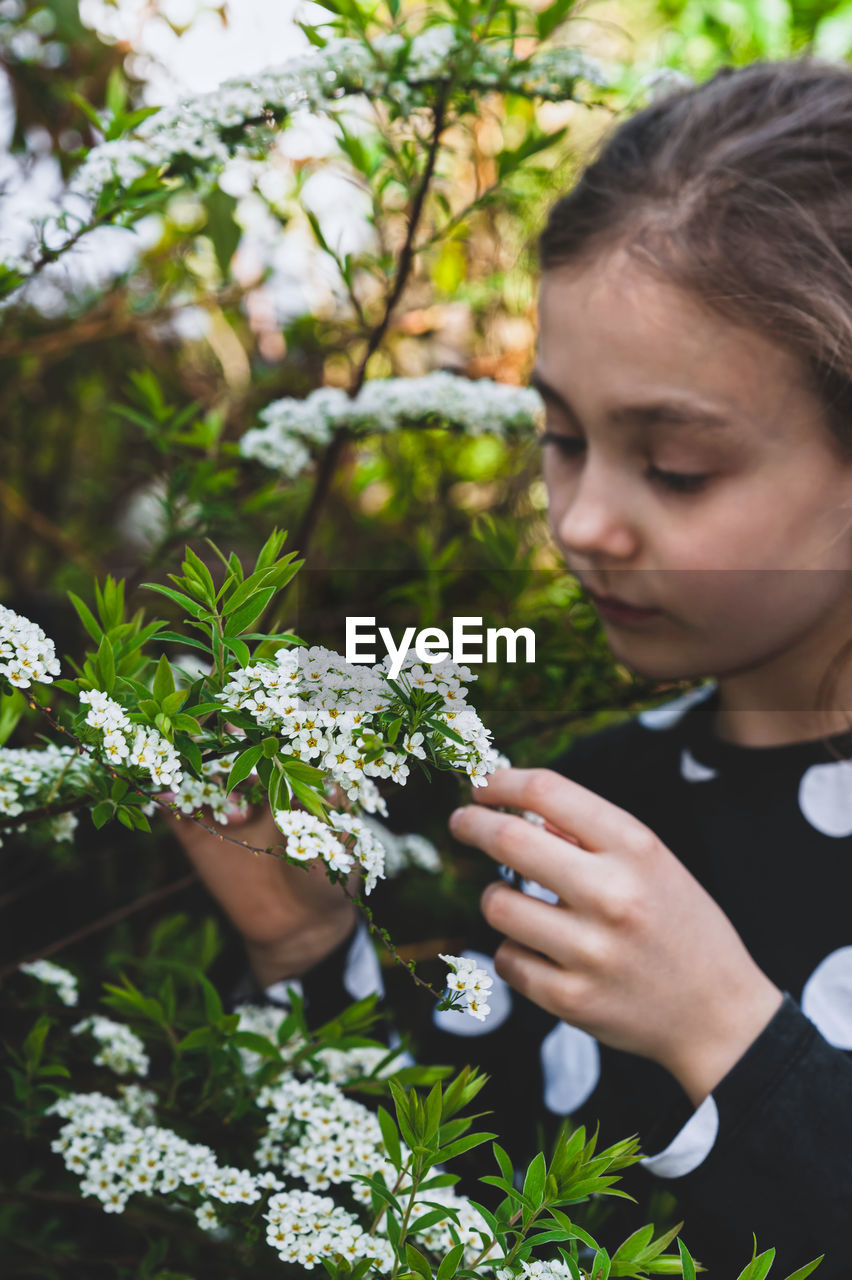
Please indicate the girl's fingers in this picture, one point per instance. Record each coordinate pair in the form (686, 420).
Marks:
(555, 931)
(596, 823)
(534, 976)
(536, 854)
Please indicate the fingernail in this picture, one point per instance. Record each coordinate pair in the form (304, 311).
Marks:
(455, 817)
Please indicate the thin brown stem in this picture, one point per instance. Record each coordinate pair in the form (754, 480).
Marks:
(104, 922)
(331, 457)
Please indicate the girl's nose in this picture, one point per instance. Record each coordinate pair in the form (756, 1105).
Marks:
(594, 520)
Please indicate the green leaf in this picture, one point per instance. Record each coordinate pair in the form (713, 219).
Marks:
(450, 1263)
(504, 1162)
(196, 572)
(464, 1144)
(758, 1267)
(390, 1137)
(164, 681)
(243, 765)
(686, 1262)
(805, 1270)
(548, 19)
(106, 665)
(533, 1189)
(33, 1048)
(176, 638)
(243, 618)
(86, 617)
(102, 813)
(417, 1262)
(199, 1038)
(177, 597)
(173, 702)
(222, 227)
(256, 1043)
(312, 801)
(634, 1246)
(238, 648)
(212, 1004)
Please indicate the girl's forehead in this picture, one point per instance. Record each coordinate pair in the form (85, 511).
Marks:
(612, 331)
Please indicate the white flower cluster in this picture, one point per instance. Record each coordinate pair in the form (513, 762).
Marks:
(305, 1228)
(340, 1066)
(323, 707)
(316, 1133)
(125, 743)
(319, 1134)
(32, 776)
(26, 654)
(553, 1269)
(309, 837)
(475, 406)
(121, 1049)
(471, 983)
(194, 793)
(205, 131)
(115, 1156)
(55, 976)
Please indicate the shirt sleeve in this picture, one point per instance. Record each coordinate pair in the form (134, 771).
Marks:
(768, 1152)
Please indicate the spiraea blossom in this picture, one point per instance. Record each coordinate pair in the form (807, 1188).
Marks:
(26, 654)
(475, 406)
(54, 976)
(128, 745)
(316, 1134)
(201, 134)
(34, 776)
(306, 1228)
(210, 791)
(471, 984)
(121, 1049)
(325, 711)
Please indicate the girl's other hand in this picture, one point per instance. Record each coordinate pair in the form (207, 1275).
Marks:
(635, 952)
(290, 917)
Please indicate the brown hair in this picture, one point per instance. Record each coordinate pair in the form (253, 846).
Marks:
(739, 191)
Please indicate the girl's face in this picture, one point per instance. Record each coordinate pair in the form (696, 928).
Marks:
(689, 470)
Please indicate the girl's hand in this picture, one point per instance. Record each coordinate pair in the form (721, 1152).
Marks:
(290, 917)
(635, 951)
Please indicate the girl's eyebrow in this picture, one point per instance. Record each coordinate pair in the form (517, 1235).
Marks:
(668, 413)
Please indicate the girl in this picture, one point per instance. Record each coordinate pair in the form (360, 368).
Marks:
(677, 958)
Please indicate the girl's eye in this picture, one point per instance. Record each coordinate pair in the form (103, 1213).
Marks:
(674, 481)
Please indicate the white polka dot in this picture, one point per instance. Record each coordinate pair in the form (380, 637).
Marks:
(667, 715)
(362, 975)
(690, 1146)
(825, 797)
(827, 998)
(278, 992)
(693, 770)
(571, 1065)
(499, 1000)
(533, 889)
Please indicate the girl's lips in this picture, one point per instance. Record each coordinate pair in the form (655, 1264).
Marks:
(620, 611)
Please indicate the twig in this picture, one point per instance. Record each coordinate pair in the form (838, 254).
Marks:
(330, 458)
(120, 913)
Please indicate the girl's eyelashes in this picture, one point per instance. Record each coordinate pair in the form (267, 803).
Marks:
(675, 481)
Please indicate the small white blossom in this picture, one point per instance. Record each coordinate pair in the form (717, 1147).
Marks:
(26, 654)
(121, 1049)
(471, 983)
(55, 976)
